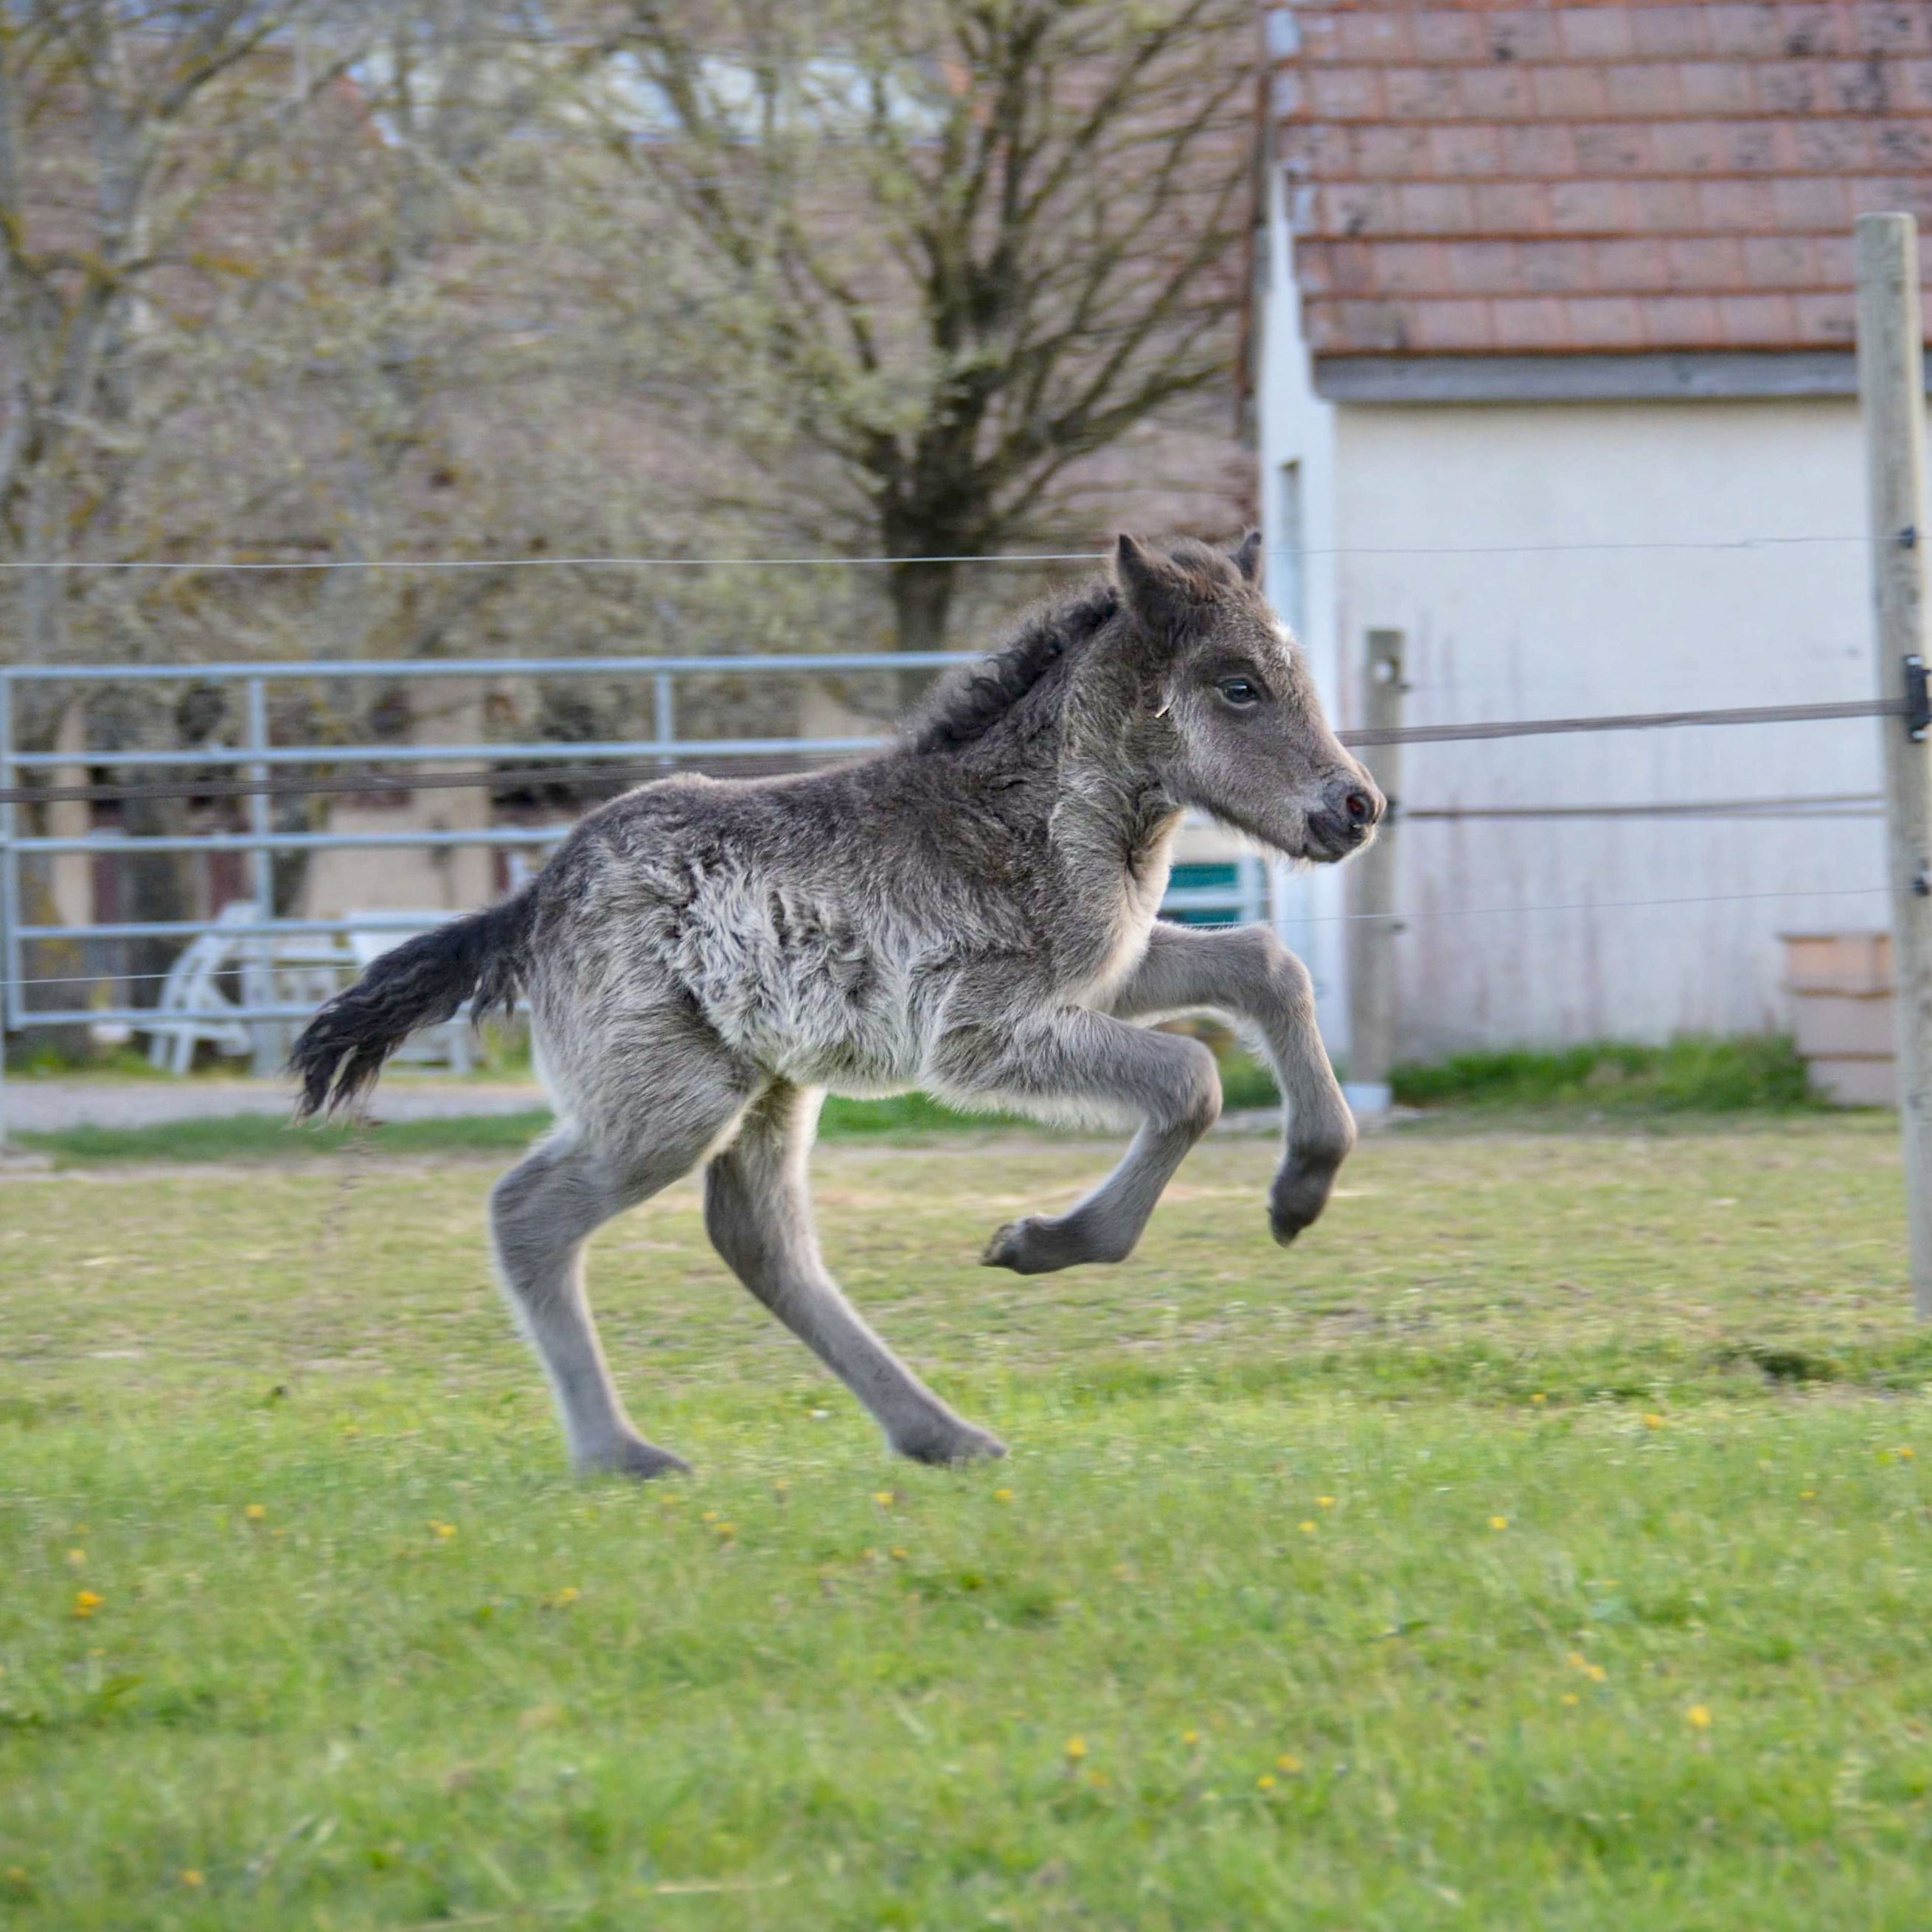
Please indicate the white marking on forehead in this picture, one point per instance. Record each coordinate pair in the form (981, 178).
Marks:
(1284, 637)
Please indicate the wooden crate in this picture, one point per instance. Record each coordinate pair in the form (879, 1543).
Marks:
(1841, 999)
(1838, 962)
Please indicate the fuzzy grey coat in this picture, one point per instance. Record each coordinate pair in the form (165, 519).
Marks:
(972, 912)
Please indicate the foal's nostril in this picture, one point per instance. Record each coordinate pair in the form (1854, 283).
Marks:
(1360, 808)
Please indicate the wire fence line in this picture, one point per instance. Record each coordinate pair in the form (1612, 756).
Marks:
(665, 561)
(649, 760)
(1630, 720)
(1816, 805)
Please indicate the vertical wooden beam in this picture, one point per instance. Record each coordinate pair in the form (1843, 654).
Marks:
(1372, 927)
(1892, 395)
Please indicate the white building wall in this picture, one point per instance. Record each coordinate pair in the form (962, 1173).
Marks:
(1295, 427)
(1566, 559)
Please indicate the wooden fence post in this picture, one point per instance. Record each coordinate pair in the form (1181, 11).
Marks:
(1372, 926)
(1891, 393)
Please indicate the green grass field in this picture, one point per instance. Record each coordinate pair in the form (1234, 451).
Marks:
(1540, 1543)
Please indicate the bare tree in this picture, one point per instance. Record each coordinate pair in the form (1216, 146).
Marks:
(948, 248)
(118, 125)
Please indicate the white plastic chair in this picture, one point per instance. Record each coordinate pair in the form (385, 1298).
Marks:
(191, 996)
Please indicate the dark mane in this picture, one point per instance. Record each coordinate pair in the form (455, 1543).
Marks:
(970, 700)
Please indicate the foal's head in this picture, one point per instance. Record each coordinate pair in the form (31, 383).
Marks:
(1245, 738)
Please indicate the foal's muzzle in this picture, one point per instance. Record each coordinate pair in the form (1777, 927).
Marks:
(1347, 818)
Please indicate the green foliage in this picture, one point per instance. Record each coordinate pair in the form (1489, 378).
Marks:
(1483, 1562)
(900, 1114)
(1696, 1072)
(1246, 1081)
(264, 1137)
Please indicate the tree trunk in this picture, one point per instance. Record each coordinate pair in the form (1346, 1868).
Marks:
(922, 595)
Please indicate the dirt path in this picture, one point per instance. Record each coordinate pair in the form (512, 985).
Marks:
(51, 1106)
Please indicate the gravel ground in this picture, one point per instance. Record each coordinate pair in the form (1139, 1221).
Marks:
(51, 1106)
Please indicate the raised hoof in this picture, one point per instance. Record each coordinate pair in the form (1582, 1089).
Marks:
(1012, 1247)
(634, 1457)
(959, 1442)
(1297, 1199)
(1037, 1246)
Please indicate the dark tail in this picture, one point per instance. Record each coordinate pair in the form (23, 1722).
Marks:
(419, 983)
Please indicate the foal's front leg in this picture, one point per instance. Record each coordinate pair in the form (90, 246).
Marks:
(1075, 1054)
(1249, 974)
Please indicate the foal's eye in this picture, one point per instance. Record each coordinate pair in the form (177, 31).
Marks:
(1243, 693)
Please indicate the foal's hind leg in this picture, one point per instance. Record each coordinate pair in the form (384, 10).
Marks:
(542, 1212)
(759, 1213)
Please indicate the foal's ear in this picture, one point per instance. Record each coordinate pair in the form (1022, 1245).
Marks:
(1247, 557)
(1154, 589)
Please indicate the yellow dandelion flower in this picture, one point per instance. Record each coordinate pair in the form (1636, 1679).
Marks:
(558, 1599)
(1903, 1451)
(1075, 1748)
(897, 1553)
(1324, 1502)
(1265, 1782)
(1652, 1420)
(85, 1602)
(885, 1499)
(727, 1529)
(1539, 1397)
(1307, 1529)
(1808, 1496)
(1698, 1716)
(191, 1878)
(1570, 1697)
(76, 1556)
(445, 1530)
(1595, 1672)
(710, 1516)
(1499, 1523)
(255, 1512)
(1575, 1659)
(1003, 1496)
(1288, 1763)
(1190, 1737)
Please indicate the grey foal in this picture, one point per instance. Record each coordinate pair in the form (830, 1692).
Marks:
(971, 912)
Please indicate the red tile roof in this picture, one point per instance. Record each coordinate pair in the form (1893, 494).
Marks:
(1621, 176)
